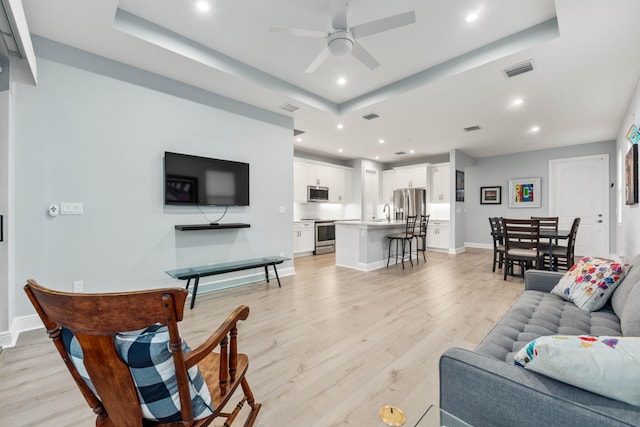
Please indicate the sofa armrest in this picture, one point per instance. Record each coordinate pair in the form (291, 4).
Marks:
(488, 392)
(541, 280)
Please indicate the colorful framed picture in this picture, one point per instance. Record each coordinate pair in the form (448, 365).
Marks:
(491, 195)
(633, 134)
(459, 186)
(525, 193)
(631, 175)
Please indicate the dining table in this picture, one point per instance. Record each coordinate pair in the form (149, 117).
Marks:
(553, 235)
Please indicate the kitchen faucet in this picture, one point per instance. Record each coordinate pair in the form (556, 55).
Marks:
(388, 213)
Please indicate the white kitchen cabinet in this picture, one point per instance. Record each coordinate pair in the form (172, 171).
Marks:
(438, 235)
(439, 183)
(411, 176)
(303, 237)
(337, 179)
(388, 185)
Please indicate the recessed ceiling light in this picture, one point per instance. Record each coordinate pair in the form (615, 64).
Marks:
(299, 139)
(340, 126)
(411, 151)
(381, 141)
(377, 157)
(517, 102)
(534, 129)
(342, 81)
(471, 17)
(203, 6)
(339, 150)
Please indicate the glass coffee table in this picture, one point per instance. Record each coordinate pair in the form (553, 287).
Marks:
(433, 417)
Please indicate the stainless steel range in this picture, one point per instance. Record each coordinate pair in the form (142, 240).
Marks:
(325, 237)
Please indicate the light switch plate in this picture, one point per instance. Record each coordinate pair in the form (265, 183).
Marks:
(71, 208)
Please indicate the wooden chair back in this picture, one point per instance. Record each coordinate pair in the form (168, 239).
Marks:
(521, 234)
(95, 319)
(497, 232)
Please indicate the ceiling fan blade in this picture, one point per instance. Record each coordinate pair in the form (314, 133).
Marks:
(324, 54)
(384, 24)
(363, 56)
(299, 32)
(339, 14)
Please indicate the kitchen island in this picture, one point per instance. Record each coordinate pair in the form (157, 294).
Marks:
(363, 245)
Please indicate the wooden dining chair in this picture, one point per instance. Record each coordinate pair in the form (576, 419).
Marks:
(407, 236)
(547, 223)
(563, 256)
(497, 236)
(127, 377)
(521, 245)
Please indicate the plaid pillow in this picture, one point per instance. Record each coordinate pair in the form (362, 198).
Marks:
(147, 354)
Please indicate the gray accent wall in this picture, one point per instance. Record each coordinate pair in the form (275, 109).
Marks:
(493, 171)
(83, 136)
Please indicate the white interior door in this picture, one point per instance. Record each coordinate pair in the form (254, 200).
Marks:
(370, 196)
(579, 188)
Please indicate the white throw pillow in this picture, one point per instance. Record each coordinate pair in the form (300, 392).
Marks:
(608, 366)
(590, 283)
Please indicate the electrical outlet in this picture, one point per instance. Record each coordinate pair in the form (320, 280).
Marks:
(78, 286)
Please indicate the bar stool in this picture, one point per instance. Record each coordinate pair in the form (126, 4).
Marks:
(405, 237)
(421, 235)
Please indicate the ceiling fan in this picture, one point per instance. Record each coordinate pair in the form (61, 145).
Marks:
(341, 40)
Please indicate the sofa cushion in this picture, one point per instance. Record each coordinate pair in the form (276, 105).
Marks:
(537, 314)
(590, 283)
(627, 294)
(604, 365)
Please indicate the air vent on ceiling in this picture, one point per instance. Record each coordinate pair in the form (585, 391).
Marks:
(290, 108)
(370, 116)
(297, 132)
(514, 70)
(472, 128)
(400, 153)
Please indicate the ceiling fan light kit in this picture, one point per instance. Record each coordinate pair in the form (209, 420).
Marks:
(340, 43)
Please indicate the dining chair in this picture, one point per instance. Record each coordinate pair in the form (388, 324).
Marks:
(407, 236)
(547, 223)
(563, 256)
(498, 241)
(521, 245)
(421, 236)
(127, 357)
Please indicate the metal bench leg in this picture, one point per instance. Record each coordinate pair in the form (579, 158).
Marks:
(275, 270)
(195, 291)
(266, 273)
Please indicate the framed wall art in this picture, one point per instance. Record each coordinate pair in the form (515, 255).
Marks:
(491, 195)
(525, 193)
(631, 175)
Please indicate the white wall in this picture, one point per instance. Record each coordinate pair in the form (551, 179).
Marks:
(85, 137)
(629, 230)
(493, 171)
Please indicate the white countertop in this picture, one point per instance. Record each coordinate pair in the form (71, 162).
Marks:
(372, 222)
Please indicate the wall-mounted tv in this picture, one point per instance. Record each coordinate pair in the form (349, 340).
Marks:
(203, 181)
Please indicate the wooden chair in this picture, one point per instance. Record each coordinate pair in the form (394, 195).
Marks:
(521, 241)
(407, 236)
(95, 319)
(563, 256)
(547, 223)
(421, 236)
(498, 241)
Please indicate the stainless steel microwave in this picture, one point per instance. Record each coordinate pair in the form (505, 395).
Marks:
(317, 194)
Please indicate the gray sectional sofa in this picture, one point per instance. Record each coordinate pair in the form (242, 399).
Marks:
(485, 388)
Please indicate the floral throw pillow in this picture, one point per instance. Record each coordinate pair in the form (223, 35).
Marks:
(590, 283)
(608, 366)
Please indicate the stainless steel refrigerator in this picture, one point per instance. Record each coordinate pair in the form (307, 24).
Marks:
(409, 201)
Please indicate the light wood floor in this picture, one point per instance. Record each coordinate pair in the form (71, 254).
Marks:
(329, 348)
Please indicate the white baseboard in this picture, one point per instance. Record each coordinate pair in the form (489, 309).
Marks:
(478, 245)
(20, 324)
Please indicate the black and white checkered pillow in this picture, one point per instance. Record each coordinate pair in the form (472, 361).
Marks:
(147, 354)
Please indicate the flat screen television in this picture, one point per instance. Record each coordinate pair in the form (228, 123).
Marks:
(203, 181)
